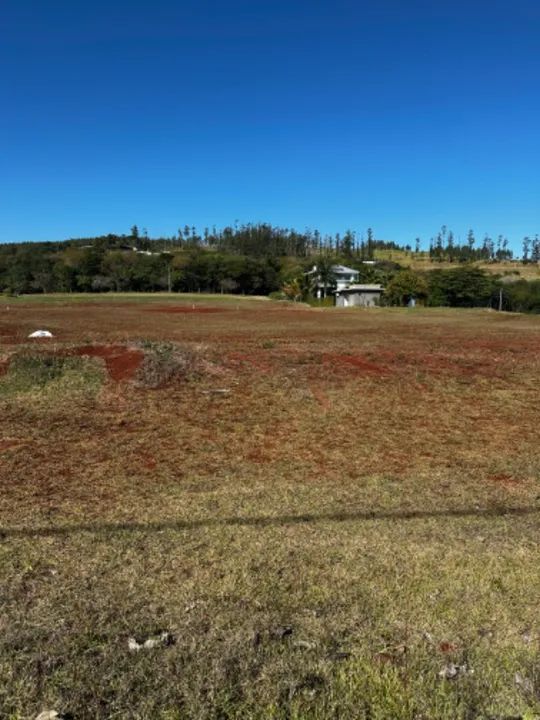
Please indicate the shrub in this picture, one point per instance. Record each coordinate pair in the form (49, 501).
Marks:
(164, 362)
(277, 295)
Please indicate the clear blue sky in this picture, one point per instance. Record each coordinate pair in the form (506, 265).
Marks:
(399, 114)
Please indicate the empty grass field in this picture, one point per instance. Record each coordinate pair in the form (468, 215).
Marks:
(317, 513)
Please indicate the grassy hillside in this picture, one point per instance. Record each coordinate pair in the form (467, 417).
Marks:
(422, 261)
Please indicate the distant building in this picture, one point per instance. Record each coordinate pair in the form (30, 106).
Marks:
(359, 296)
(347, 291)
(343, 277)
(132, 248)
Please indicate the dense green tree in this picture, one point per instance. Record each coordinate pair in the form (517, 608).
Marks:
(404, 286)
(465, 286)
(522, 296)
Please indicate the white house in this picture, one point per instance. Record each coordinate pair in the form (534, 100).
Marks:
(346, 288)
(343, 276)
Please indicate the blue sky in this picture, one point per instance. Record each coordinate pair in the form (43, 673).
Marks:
(402, 115)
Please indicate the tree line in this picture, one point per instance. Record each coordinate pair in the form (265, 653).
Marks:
(256, 240)
(445, 248)
(260, 260)
(249, 259)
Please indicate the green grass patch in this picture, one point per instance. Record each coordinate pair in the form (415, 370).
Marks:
(135, 297)
(321, 302)
(48, 374)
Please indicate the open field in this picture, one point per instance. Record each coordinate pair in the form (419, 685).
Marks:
(334, 513)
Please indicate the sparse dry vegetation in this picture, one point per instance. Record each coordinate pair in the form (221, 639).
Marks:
(166, 362)
(334, 513)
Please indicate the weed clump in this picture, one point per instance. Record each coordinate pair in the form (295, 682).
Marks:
(165, 362)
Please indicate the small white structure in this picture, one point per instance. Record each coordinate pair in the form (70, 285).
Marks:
(347, 291)
(41, 334)
(359, 296)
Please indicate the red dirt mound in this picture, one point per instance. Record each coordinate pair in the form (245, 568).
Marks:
(184, 309)
(121, 362)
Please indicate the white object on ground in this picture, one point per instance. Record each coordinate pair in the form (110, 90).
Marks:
(40, 334)
(48, 715)
(161, 640)
(452, 671)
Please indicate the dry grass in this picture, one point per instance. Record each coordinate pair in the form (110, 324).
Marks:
(422, 261)
(336, 506)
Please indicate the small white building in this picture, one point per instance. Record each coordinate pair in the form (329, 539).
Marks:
(347, 291)
(359, 296)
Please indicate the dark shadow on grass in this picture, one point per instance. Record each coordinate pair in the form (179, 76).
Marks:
(269, 521)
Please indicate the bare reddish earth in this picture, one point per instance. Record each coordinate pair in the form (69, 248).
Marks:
(122, 363)
(357, 362)
(184, 309)
(8, 335)
(6, 444)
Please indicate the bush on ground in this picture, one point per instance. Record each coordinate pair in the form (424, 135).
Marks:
(164, 362)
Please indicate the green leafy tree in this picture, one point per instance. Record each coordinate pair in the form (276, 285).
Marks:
(119, 267)
(465, 286)
(405, 285)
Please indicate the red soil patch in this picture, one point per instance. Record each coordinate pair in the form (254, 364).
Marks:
(122, 363)
(447, 647)
(355, 362)
(6, 444)
(186, 310)
(320, 397)
(148, 461)
(438, 363)
(8, 336)
(503, 479)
